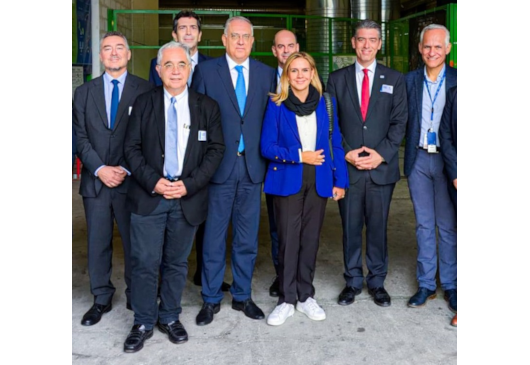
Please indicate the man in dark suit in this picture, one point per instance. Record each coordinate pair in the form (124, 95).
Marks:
(372, 109)
(186, 30)
(426, 93)
(101, 113)
(174, 144)
(240, 85)
(448, 143)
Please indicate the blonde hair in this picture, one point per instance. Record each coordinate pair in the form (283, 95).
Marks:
(279, 97)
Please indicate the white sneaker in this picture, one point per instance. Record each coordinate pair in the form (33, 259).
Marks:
(280, 314)
(311, 309)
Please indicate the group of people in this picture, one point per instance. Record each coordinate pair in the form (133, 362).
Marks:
(188, 153)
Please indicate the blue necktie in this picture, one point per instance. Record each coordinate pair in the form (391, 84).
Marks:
(241, 95)
(171, 162)
(114, 103)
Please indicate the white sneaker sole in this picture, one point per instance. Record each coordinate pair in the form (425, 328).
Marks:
(321, 318)
(279, 322)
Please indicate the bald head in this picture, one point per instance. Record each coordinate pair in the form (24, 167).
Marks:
(284, 45)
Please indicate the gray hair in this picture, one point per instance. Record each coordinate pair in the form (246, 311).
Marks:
(367, 24)
(173, 44)
(114, 33)
(242, 18)
(435, 26)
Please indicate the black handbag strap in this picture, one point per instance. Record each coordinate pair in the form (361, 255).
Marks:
(329, 108)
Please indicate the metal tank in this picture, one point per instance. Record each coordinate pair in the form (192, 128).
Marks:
(318, 34)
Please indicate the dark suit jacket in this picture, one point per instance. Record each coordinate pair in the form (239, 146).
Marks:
(213, 79)
(448, 134)
(96, 144)
(155, 80)
(414, 82)
(144, 152)
(385, 123)
(280, 142)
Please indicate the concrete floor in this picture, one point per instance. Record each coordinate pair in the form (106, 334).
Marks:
(359, 333)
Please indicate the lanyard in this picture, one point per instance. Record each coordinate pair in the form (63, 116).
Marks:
(435, 95)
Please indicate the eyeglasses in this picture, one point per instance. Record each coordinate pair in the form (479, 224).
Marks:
(235, 37)
(181, 66)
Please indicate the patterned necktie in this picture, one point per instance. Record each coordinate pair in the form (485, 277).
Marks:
(171, 162)
(241, 95)
(114, 103)
(365, 94)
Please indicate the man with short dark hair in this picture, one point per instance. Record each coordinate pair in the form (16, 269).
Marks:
(101, 113)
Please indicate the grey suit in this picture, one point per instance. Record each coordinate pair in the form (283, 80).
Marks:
(97, 145)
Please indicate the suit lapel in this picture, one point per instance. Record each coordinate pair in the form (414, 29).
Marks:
(129, 89)
(352, 80)
(193, 103)
(226, 79)
(376, 90)
(253, 80)
(160, 115)
(291, 121)
(322, 115)
(419, 95)
(98, 94)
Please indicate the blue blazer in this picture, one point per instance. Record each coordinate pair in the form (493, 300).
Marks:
(448, 126)
(155, 80)
(280, 142)
(414, 83)
(212, 78)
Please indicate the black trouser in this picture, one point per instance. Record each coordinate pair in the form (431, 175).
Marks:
(299, 219)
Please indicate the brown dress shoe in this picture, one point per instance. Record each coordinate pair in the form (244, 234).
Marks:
(453, 321)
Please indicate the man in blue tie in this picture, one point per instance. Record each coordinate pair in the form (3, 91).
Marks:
(101, 113)
(241, 86)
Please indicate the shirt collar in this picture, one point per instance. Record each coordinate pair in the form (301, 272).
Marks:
(232, 63)
(179, 97)
(359, 68)
(440, 75)
(195, 58)
(108, 79)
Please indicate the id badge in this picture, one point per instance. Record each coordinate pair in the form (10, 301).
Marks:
(431, 141)
(202, 136)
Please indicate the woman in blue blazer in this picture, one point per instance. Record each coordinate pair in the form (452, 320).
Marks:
(301, 176)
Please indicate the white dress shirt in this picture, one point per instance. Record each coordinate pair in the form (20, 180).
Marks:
(234, 73)
(359, 75)
(307, 129)
(183, 124)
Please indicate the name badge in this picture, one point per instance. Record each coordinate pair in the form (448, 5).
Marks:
(202, 136)
(389, 89)
(431, 141)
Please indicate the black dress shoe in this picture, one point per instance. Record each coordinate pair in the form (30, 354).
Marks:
(420, 298)
(274, 290)
(381, 297)
(248, 307)
(450, 298)
(198, 281)
(347, 295)
(225, 286)
(175, 331)
(206, 313)
(136, 338)
(94, 314)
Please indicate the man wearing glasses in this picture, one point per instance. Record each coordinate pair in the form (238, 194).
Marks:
(240, 85)
(173, 146)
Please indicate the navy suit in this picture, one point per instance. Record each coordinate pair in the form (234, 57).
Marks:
(235, 189)
(448, 140)
(370, 193)
(428, 190)
(155, 80)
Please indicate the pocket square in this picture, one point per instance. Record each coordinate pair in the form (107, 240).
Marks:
(130, 110)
